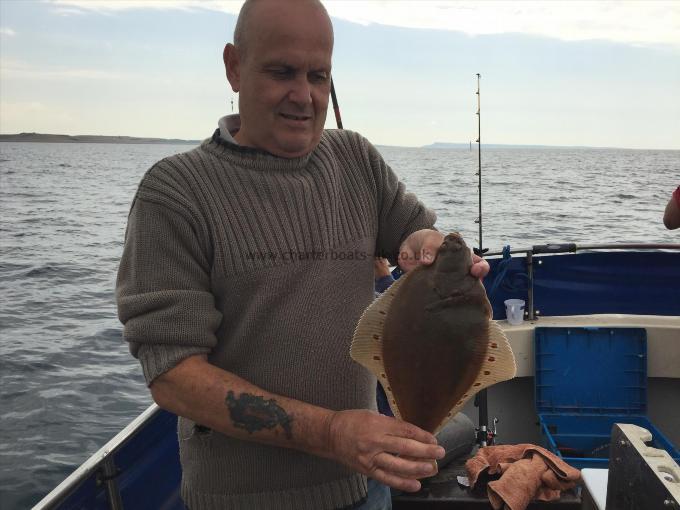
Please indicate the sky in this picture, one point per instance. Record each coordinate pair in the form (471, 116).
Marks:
(590, 73)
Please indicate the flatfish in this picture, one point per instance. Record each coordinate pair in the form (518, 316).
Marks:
(430, 340)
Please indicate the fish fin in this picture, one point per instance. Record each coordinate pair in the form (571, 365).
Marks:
(366, 348)
(499, 365)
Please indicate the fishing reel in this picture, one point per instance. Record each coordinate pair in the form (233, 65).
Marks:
(487, 437)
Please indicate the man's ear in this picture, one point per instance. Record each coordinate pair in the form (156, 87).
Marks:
(232, 64)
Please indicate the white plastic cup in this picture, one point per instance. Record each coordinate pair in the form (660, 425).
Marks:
(514, 311)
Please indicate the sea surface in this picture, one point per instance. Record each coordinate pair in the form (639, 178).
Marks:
(67, 381)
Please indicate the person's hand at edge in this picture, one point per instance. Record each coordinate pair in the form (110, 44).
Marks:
(380, 267)
(671, 216)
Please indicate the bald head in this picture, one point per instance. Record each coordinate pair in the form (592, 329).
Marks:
(281, 65)
(247, 22)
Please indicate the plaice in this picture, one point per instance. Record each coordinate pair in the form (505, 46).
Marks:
(430, 340)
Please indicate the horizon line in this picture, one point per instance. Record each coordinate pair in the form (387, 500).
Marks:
(434, 145)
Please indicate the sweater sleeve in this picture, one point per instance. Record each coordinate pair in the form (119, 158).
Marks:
(163, 288)
(400, 213)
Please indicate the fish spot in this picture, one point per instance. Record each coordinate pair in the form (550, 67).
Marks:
(389, 389)
(477, 384)
(494, 345)
(382, 312)
(376, 337)
(486, 372)
(377, 358)
(383, 376)
(491, 358)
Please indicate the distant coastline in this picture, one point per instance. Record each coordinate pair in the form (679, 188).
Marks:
(447, 145)
(47, 138)
(50, 138)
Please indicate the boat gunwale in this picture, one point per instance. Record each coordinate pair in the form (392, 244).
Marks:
(571, 248)
(87, 468)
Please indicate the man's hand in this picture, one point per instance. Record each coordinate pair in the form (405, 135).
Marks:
(421, 248)
(480, 267)
(388, 450)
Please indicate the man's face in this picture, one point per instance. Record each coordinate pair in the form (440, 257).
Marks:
(283, 78)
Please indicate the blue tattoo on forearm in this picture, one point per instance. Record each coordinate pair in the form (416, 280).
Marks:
(253, 413)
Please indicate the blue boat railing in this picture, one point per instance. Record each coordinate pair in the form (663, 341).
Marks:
(138, 468)
(637, 279)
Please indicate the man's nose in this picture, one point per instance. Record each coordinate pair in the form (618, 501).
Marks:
(300, 92)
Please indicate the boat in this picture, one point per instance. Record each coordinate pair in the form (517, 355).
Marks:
(573, 293)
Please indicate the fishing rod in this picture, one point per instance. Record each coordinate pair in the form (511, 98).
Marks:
(336, 107)
(480, 250)
(485, 437)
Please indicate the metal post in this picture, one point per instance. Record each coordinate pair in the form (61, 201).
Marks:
(482, 434)
(530, 292)
(109, 473)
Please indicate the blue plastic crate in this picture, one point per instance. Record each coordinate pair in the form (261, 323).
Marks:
(587, 379)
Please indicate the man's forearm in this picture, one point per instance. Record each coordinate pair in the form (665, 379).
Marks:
(391, 451)
(224, 402)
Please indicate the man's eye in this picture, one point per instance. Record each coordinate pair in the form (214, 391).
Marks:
(280, 73)
(318, 77)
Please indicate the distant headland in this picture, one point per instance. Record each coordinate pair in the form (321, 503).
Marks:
(46, 138)
(447, 145)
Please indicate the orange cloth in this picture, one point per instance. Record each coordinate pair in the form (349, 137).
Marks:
(527, 472)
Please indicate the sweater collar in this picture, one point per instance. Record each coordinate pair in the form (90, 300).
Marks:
(251, 157)
(229, 126)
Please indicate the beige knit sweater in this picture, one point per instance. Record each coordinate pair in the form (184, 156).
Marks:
(265, 265)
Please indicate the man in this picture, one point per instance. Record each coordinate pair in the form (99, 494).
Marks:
(247, 264)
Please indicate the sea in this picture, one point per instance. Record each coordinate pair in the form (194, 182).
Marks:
(67, 381)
